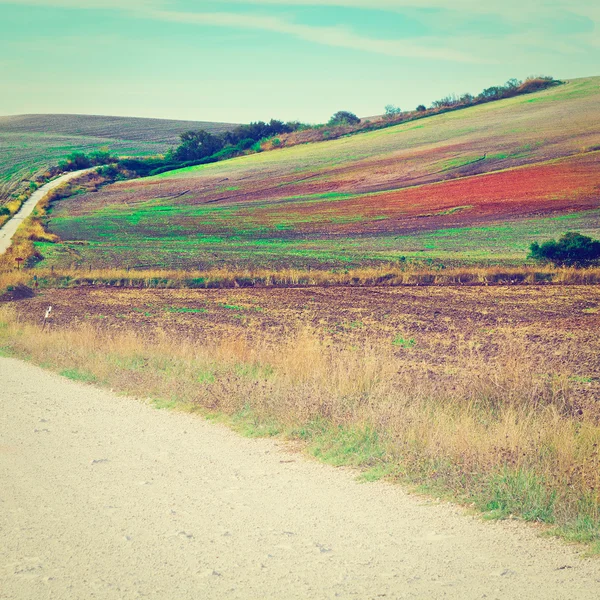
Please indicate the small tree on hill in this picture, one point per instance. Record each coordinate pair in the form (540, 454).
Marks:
(421, 108)
(343, 117)
(572, 249)
(197, 145)
(392, 112)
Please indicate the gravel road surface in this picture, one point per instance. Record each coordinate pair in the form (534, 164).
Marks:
(105, 497)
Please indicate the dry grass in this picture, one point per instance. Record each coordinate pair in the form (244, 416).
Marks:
(385, 275)
(505, 432)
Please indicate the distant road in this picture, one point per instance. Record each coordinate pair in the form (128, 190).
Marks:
(10, 228)
(105, 497)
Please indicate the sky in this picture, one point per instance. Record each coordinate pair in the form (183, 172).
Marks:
(245, 60)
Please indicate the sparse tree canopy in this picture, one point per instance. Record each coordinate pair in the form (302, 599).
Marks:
(343, 117)
(391, 112)
(572, 249)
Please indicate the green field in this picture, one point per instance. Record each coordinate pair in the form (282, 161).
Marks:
(476, 185)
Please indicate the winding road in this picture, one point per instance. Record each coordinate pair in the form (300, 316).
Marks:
(103, 496)
(10, 227)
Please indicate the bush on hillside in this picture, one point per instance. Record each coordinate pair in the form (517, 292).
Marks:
(4, 212)
(392, 112)
(421, 108)
(78, 160)
(572, 249)
(343, 117)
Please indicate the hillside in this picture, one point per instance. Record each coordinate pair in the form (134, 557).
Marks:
(474, 185)
(30, 143)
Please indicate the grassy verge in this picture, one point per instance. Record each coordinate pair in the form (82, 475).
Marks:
(385, 275)
(504, 433)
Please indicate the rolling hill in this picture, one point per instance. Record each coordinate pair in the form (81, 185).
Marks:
(476, 185)
(31, 143)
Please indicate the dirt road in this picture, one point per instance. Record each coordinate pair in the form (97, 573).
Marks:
(106, 497)
(10, 228)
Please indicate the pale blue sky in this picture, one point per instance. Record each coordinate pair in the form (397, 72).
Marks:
(241, 60)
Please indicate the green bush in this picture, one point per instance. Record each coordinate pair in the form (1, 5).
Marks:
(343, 117)
(392, 112)
(4, 212)
(572, 249)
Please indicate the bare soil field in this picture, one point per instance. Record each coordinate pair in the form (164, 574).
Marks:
(429, 328)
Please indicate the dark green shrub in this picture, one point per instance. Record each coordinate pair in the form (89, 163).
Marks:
(245, 144)
(4, 212)
(572, 249)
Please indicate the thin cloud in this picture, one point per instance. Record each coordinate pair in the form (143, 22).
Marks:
(341, 37)
(513, 10)
(123, 5)
(469, 49)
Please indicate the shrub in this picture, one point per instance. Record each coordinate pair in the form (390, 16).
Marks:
(392, 112)
(343, 117)
(4, 212)
(421, 108)
(109, 171)
(572, 249)
(197, 145)
(245, 144)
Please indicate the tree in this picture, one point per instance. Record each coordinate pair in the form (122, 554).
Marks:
(572, 249)
(392, 112)
(343, 117)
(196, 145)
(421, 108)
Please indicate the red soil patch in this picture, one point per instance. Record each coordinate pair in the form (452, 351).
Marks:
(561, 186)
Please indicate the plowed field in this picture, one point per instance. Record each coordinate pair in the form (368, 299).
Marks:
(431, 327)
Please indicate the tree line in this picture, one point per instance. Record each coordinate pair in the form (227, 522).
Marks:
(202, 147)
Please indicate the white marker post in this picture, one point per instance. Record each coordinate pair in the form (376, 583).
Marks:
(46, 316)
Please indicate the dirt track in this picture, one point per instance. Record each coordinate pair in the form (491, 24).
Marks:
(106, 497)
(10, 228)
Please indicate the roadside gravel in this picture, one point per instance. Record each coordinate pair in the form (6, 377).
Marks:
(103, 496)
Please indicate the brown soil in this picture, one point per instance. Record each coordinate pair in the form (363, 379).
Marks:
(427, 325)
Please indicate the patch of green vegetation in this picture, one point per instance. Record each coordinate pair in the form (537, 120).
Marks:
(585, 529)
(348, 446)
(377, 473)
(6, 352)
(519, 493)
(402, 342)
(254, 371)
(79, 375)
(185, 310)
(250, 425)
(232, 307)
(164, 404)
(206, 376)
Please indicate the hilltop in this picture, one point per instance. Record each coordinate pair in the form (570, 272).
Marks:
(32, 143)
(474, 185)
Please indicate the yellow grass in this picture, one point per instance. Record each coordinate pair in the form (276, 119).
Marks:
(386, 275)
